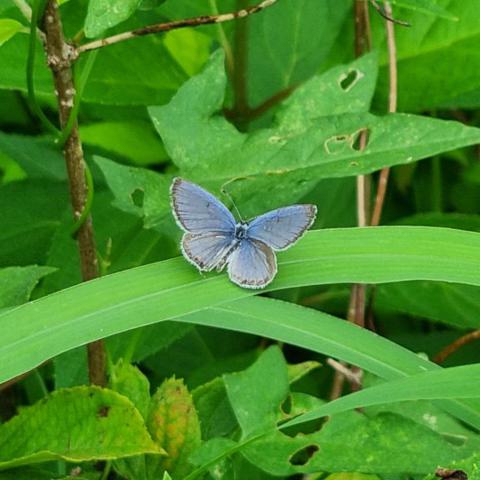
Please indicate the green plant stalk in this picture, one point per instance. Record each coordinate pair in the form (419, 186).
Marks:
(222, 38)
(80, 85)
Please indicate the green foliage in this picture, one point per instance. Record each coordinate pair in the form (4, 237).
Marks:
(104, 14)
(206, 380)
(84, 423)
(8, 28)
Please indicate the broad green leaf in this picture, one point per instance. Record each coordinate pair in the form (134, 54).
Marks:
(171, 289)
(434, 44)
(71, 368)
(128, 380)
(104, 14)
(39, 158)
(431, 7)
(189, 47)
(31, 211)
(138, 191)
(214, 410)
(288, 43)
(297, 371)
(78, 424)
(449, 303)
(302, 146)
(254, 401)
(17, 283)
(332, 448)
(8, 28)
(384, 444)
(141, 72)
(134, 141)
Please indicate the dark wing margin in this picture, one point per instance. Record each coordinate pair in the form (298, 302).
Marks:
(198, 211)
(281, 228)
(252, 264)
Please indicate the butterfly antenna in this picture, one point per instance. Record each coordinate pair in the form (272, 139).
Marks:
(222, 189)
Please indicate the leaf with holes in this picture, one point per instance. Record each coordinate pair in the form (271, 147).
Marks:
(17, 283)
(304, 145)
(79, 424)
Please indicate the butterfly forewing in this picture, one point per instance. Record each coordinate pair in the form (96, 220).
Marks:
(281, 228)
(198, 211)
(252, 264)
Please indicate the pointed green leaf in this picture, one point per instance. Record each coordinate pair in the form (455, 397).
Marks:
(17, 283)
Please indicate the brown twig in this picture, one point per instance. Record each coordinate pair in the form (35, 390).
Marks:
(165, 27)
(60, 56)
(354, 377)
(392, 107)
(356, 307)
(387, 15)
(454, 346)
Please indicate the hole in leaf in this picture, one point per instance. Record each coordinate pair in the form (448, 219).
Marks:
(287, 405)
(304, 455)
(349, 79)
(449, 474)
(336, 144)
(103, 411)
(137, 197)
(360, 141)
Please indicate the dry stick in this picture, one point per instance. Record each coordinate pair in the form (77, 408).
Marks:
(356, 308)
(164, 27)
(59, 58)
(392, 107)
(454, 346)
(239, 78)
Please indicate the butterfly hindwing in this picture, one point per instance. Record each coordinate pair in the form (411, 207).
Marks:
(207, 251)
(281, 228)
(252, 264)
(198, 211)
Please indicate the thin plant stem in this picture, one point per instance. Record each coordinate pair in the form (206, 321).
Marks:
(60, 57)
(82, 81)
(456, 345)
(222, 38)
(356, 307)
(165, 27)
(392, 108)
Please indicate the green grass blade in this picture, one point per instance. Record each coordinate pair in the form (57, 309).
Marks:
(37, 331)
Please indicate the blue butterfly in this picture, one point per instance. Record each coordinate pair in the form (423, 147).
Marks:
(213, 238)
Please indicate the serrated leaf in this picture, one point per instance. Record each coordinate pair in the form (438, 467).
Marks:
(78, 424)
(128, 380)
(104, 14)
(17, 283)
(173, 424)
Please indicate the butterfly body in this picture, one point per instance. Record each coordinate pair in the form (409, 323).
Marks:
(214, 239)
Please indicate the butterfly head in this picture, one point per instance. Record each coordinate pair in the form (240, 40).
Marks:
(241, 229)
